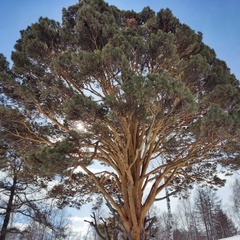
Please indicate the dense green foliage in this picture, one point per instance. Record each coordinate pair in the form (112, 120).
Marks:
(155, 104)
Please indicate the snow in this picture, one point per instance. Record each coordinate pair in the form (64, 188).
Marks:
(231, 238)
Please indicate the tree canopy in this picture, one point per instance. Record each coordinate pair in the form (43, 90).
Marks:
(138, 93)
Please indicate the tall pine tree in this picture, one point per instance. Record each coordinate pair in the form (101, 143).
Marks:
(139, 93)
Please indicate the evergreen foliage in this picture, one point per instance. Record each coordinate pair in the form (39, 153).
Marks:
(156, 105)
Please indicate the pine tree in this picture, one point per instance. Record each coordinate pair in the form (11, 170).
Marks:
(224, 225)
(23, 198)
(139, 93)
(207, 205)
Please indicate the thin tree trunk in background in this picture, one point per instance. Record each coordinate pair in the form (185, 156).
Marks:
(170, 217)
(8, 210)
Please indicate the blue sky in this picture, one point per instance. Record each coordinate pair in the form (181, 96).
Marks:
(218, 20)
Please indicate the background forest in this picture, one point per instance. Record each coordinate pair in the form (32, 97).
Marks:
(199, 216)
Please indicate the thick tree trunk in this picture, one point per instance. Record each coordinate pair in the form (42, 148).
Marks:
(8, 210)
(134, 214)
(138, 233)
(136, 230)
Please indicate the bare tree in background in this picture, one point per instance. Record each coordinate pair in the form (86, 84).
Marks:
(206, 203)
(236, 200)
(187, 219)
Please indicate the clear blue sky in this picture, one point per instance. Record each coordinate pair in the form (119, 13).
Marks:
(218, 20)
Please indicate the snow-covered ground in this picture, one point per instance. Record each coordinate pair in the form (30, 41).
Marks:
(231, 238)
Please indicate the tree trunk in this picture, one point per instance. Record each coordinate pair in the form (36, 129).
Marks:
(138, 233)
(135, 214)
(170, 217)
(8, 210)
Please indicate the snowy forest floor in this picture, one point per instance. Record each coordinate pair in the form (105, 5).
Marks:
(231, 238)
